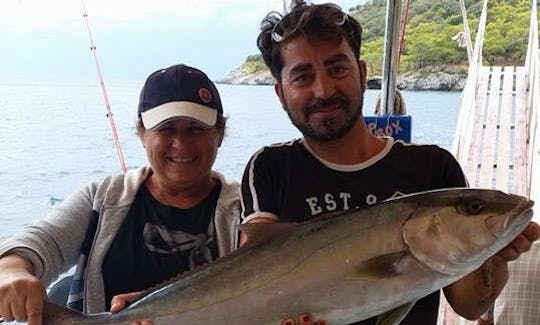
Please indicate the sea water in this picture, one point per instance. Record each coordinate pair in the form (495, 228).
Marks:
(56, 138)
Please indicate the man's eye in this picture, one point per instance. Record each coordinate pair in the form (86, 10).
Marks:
(338, 71)
(302, 79)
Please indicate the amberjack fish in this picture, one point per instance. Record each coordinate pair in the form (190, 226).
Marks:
(341, 268)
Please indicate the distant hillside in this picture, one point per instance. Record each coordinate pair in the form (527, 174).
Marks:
(432, 25)
(429, 44)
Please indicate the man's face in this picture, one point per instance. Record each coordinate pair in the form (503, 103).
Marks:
(321, 87)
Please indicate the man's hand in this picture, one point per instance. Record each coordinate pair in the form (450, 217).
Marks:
(304, 319)
(21, 293)
(520, 244)
(475, 293)
(120, 302)
(496, 273)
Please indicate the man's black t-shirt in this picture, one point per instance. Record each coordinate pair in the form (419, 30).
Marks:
(156, 242)
(289, 182)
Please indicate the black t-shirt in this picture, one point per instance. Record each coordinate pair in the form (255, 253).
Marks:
(288, 181)
(156, 242)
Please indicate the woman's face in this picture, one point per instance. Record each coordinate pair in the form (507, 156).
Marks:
(181, 152)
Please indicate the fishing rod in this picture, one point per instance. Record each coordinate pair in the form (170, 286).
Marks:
(104, 93)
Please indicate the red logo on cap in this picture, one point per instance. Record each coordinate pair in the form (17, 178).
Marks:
(205, 95)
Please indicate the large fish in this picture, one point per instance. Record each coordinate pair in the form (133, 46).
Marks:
(343, 268)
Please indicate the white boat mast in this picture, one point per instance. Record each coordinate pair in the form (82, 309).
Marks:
(391, 55)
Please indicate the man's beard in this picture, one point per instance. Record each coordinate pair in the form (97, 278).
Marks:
(332, 130)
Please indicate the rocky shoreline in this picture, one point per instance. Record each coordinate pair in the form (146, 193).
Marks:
(440, 78)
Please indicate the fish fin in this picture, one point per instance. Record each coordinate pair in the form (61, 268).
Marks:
(384, 266)
(261, 232)
(396, 315)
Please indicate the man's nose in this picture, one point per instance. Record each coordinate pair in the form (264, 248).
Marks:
(323, 87)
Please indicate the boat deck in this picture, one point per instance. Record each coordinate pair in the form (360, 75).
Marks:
(498, 145)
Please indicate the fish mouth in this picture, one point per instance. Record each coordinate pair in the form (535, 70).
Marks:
(517, 220)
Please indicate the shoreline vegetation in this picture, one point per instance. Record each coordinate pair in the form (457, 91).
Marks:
(434, 56)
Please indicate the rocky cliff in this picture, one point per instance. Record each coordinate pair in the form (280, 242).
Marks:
(433, 78)
(242, 77)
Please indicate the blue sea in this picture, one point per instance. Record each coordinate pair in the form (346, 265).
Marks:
(56, 138)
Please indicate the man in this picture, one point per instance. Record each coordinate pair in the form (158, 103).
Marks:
(313, 54)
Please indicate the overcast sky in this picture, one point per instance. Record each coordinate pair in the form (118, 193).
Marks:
(47, 40)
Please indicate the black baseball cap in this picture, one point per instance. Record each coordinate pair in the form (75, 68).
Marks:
(179, 91)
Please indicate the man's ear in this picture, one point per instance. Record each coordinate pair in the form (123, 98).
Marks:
(363, 73)
(279, 92)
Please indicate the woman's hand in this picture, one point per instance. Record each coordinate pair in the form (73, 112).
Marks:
(120, 302)
(21, 293)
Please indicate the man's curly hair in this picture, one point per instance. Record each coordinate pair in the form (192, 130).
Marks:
(323, 21)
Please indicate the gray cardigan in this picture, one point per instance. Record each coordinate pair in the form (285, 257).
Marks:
(53, 244)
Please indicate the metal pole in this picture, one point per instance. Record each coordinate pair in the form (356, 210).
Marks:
(391, 53)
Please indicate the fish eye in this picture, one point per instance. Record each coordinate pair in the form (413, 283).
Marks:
(471, 207)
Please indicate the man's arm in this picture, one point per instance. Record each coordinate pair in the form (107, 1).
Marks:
(472, 295)
(257, 197)
(256, 219)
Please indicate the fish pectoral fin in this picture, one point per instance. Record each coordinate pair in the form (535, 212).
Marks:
(396, 315)
(380, 267)
(261, 232)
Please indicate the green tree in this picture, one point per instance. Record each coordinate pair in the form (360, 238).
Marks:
(372, 53)
(507, 32)
(431, 26)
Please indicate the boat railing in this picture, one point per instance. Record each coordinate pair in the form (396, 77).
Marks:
(532, 66)
(461, 144)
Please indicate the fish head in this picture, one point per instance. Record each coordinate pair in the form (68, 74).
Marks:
(455, 231)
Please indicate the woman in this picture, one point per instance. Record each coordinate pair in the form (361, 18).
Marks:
(129, 232)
